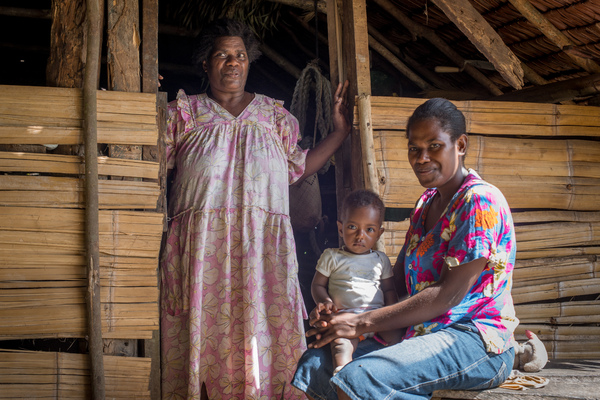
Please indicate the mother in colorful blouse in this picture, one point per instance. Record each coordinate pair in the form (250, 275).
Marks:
(454, 278)
(231, 307)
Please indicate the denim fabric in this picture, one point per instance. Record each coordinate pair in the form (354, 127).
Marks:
(453, 358)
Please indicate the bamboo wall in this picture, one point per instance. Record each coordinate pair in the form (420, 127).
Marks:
(546, 160)
(42, 252)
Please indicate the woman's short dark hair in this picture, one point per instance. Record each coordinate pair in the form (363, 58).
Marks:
(450, 118)
(205, 41)
(362, 198)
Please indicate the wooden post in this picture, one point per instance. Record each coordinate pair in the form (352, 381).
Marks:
(123, 60)
(368, 151)
(151, 348)
(123, 65)
(90, 86)
(336, 74)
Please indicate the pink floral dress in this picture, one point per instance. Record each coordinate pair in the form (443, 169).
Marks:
(231, 306)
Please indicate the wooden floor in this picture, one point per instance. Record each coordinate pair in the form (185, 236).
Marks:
(569, 380)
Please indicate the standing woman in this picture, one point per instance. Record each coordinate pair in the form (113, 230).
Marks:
(454, 284)
(231, 307)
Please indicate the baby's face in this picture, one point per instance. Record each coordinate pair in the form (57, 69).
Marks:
(360, 229)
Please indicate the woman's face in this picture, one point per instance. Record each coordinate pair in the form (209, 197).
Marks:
(227, 65)
(435, 159)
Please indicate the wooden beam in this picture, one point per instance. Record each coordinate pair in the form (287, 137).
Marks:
(424, 72)
(424, 32)
(284, 63)
(307, 5)
(399, 65)
(538, 20)
(485, 38)
(556, 92)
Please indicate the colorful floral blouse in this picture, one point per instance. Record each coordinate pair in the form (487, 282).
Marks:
(477, 223)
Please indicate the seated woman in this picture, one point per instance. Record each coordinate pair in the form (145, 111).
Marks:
(454, 278)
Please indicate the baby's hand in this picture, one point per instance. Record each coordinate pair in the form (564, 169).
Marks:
(324, 308)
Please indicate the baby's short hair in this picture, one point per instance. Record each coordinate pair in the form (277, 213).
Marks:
(362, 198)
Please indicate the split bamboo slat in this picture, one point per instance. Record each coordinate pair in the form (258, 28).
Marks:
(49, 375)
(73, 165)
(545, 159)
(66, 192)
(47, 115)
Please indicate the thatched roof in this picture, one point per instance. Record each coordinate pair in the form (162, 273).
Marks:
(546, 42)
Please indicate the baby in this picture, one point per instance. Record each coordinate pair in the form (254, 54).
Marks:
(355, 278)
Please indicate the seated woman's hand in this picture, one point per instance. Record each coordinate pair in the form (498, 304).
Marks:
(333, 326)
(324, 308)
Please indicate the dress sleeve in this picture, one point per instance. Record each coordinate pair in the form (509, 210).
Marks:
(289, 132)
(179, 118)
(476, 226)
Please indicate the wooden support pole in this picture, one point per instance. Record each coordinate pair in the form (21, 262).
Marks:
(285, 64)
(369, 163)
(433, 38)
(422, 71)
(90, 86)
(368, 148)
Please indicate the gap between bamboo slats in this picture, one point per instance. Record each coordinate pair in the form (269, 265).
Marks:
(552, 291)
(67, 376)
(550, 332)
(65, 192)
(556, 269)
(496, 118)
(557, 234)
(74, 165)
(576, 312)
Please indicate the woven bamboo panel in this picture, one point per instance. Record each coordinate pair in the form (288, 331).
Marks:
(43, 272)
(42, 115)
(48, 375)
(531, 173)
(495, 118)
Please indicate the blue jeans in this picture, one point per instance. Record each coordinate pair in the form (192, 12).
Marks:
(452, 358)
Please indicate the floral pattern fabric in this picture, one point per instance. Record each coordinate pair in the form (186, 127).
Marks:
(231, 307)
(477, 223)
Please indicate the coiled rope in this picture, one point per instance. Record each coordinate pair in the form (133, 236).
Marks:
(311, 80)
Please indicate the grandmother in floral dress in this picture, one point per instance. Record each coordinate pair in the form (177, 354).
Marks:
(231, 307)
